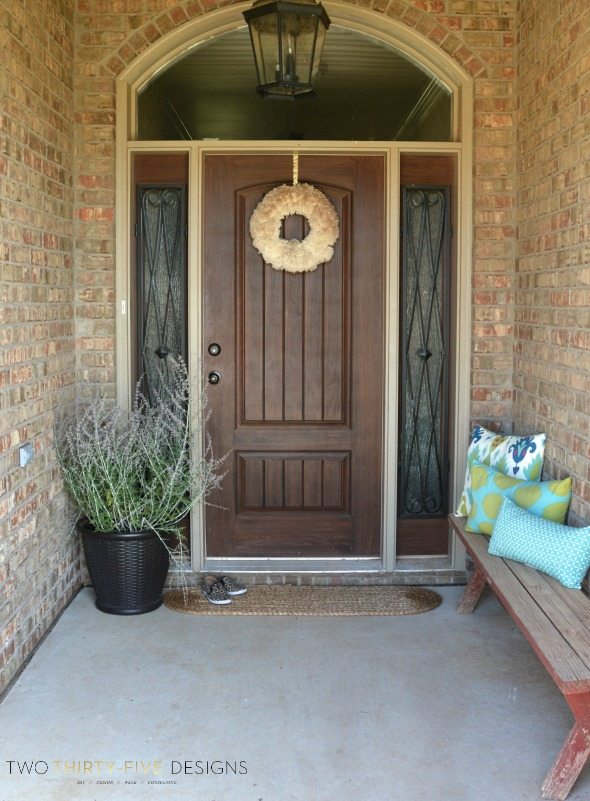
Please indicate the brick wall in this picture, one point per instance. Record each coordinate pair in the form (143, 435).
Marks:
(552, 314)
(38, 555)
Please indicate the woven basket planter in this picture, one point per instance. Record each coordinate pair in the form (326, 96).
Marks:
(127, 569)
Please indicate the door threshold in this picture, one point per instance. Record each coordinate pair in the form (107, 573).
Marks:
(409, 570)
(410, 563)
(293, 565)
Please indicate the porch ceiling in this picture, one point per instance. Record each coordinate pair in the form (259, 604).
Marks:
(348, 58)
(362, 83)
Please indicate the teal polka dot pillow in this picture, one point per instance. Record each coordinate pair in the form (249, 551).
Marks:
(489, 487)
(560, 551)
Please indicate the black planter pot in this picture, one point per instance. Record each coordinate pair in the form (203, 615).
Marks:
(127, 569)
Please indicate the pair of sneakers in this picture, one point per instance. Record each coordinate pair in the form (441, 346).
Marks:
(220, 591)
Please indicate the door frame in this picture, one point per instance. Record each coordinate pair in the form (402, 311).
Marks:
(460, 390)
(395, 33)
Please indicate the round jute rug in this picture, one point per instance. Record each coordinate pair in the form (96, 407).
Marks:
(291, 600)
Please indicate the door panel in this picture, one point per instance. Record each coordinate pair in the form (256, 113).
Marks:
(159, 222)
(295, 335)
(426, 283)
(299, 404)
(159, 268)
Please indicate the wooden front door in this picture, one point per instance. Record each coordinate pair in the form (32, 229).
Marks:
(299, 402)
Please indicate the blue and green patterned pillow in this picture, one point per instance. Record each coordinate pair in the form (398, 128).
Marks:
(489, 487)
(560, 551)
(518, 457)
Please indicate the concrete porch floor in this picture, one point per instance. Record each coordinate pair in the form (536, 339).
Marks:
(433, 707)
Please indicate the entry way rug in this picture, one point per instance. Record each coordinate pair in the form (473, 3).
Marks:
(290, 600)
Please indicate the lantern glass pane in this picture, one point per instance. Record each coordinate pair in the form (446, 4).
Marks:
(264, 43)
(318, 48)
(298, 40)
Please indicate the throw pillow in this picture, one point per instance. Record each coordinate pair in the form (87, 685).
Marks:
(519, 457)
(560, 551)
(489, 487)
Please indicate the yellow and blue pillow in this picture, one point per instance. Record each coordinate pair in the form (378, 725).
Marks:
(560, 551)
(489, 487)
(515, 456)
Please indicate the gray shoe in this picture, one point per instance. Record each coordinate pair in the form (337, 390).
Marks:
(215, 592)
(231, 586)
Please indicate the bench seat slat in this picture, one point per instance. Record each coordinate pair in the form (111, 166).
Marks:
(568, 670)
(574, 630)
(577, 602)
(559, 658)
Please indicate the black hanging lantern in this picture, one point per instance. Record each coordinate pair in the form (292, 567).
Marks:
(287, 39)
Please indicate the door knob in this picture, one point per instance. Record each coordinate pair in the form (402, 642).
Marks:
(214, 377)
(214, 349)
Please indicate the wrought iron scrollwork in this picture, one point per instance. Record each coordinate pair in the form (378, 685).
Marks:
(425, 267)
(161, 279)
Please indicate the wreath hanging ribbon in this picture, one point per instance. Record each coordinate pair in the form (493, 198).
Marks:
(294, 255)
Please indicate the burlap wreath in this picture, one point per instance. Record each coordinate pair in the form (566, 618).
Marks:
(294, 255)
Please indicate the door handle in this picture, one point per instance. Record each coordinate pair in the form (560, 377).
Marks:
(214, 377)
(214, 349)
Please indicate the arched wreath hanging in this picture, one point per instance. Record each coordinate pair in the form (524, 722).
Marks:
(294, 255)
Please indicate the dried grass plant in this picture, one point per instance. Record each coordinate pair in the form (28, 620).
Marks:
(140, 470)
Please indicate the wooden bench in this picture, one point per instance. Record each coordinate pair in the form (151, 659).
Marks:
(556, 622)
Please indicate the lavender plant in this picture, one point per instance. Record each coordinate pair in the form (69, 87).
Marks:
(140, 470)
